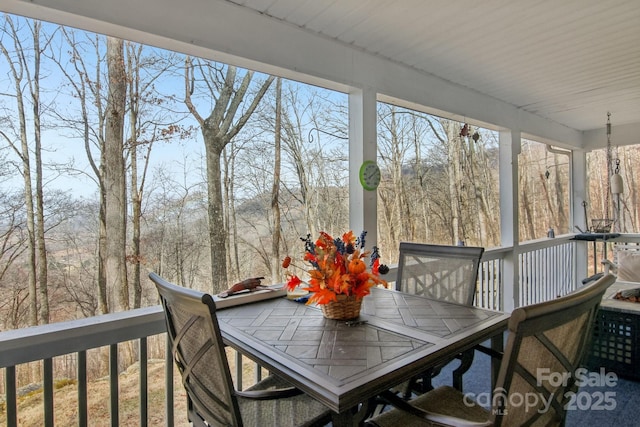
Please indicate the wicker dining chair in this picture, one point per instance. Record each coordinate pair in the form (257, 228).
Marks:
(199, 353)
(447, 273)
(544, 340)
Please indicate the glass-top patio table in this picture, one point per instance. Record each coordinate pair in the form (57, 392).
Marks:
(344, 366)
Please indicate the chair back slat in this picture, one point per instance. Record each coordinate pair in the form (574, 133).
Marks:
(546, 346)
(447, 273)
(199, 353)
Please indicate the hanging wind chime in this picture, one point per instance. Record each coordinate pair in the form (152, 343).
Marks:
(616, 185)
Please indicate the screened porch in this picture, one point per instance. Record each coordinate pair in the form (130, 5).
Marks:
(546, 72)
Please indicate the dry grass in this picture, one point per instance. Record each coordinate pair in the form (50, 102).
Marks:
(31, 409)
(30, 406)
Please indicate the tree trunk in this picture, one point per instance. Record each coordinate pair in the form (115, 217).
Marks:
(31, 239)
(562, 221)
(217, 230)
(550, 207)
(103, 291)
(39, 202)
(455, 181)
(136, 208)
(631, 186)
(136, 190)
(232, 250)
(276, 271)
(115, 182)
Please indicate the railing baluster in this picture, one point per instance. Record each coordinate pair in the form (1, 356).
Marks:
(552, 264)
(11, 400)
(113, 382)
(538, 288)
(258, 371)
(525, 272)
(82, 389)
(522, 283)
(541, 280)
(144, 400)
(47, 385)
(534, 292)
(492, 290)
(238, 370)
(168, 381)
(500, 285)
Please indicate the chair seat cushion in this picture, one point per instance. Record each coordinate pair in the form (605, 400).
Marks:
(299, 410)
(443, 400)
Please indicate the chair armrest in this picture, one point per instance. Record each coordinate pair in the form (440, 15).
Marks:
(446, 420)
(588, 280)
(279, 393)
(609, 267)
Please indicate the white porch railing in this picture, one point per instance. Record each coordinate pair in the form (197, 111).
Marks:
(547, 268)
(43, 343)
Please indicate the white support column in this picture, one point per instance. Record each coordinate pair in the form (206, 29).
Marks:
(363, 214)
(578, 173)
(509, 203)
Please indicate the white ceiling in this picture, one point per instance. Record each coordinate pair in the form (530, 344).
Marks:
(552, 68)
(571, 61)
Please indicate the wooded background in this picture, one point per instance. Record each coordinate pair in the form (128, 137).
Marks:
(118, 159)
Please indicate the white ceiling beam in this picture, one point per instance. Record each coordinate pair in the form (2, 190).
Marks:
(621, 135)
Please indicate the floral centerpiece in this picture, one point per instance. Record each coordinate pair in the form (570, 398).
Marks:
(338, 271)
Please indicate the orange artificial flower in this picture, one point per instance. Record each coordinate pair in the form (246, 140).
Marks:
(338, 268)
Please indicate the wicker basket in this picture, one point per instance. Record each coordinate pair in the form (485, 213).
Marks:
(601, 225)
(345, 308)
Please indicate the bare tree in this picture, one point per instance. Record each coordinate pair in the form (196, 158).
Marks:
(485, 190)
(437, 182)
(149, 121)
(561, 200)
(24, 70)
(630, 203)
(77, 270)
(114, 178)
(399, 139)
(219, 127)
(85, 77)
(176, 222)
(135, 94)
(314, 132)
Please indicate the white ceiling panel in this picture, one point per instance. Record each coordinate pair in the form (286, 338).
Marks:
(571, 61)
